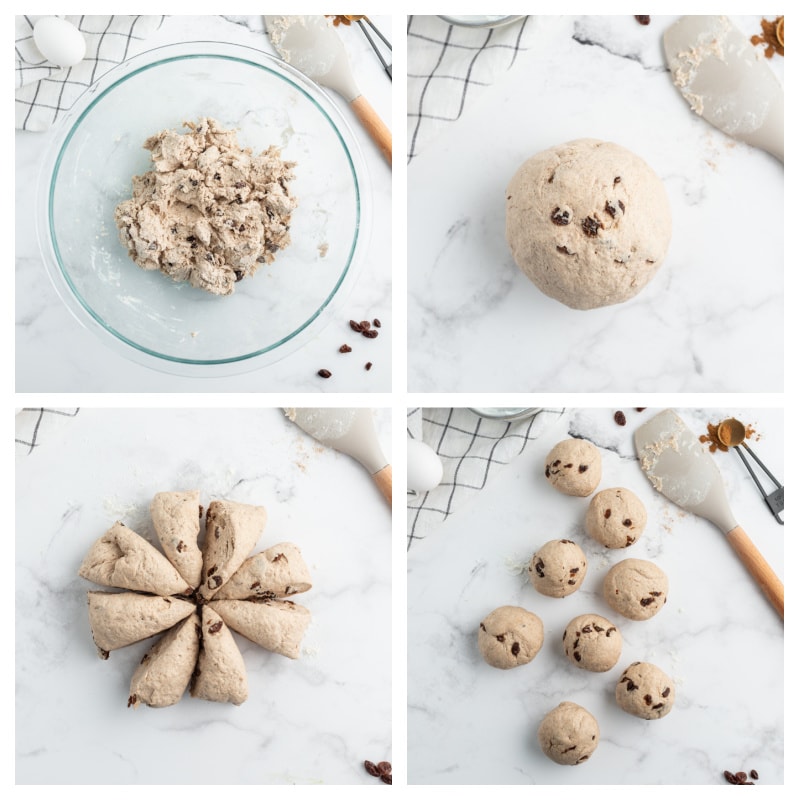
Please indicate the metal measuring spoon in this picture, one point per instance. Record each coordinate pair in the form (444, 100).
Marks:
(733, 433)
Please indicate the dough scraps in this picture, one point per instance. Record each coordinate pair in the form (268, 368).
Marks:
(209, 211)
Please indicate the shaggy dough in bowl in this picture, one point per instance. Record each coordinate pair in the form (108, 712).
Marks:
(588, 222)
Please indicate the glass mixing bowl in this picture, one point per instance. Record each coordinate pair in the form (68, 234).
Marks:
(144, 315)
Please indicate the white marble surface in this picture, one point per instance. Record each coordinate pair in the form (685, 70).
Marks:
(717, 636)
(715, 305)
(55, 353)
(309, 721)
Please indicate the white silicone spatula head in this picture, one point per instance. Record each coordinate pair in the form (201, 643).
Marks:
(678, 467)
(350, 431)
(718, 71)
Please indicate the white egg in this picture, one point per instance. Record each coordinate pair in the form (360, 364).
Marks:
(424, 467)
(59, 41)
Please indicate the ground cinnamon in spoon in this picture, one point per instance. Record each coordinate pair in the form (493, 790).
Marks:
(771, 35)
(720, 433)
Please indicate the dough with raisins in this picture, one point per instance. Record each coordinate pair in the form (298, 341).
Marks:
(588, 222)
(645, 691)
(615, 518)
(592, 642)
(557, 568)
(574, 467)
(569, 734)
(636, 589)
(510, 637)
(209, 211)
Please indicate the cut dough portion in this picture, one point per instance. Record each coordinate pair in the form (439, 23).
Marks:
(616, 518)
(574, 467)
(274, 573)
(557, 568)
(118, 619)
(176, 518)
(510, 636)
(220, 673)
(569, 734)
(166, 669)
(592, 642)
(232, 530)
(123, 559)
(645, 691)
(277, 626)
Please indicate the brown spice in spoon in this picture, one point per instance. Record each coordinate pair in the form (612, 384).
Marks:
(771, 35)
(719, 436)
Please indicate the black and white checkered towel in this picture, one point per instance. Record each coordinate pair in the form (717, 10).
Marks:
(36, 426)
(472, 450)
(44, 90)
(449, 66)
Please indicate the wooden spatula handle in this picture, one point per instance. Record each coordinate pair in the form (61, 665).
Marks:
(374, 125)
(757, 566)
(383, 479)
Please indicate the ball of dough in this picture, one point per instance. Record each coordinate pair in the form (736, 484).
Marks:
(510, 637)
(592, 642)
(557, 568)
(616, 518)
(588, 222)
(636, 589)
(645, 691)
(569, 734)
(574, 467)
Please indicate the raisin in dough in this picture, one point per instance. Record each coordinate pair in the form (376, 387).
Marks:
(615, 518)
(220, 673)
(636, 589)
(645, 691)
(510, 636)
(588, 222)
(209, 211)
(574, 467)
(557, 568)
(592, 642)
(569, 734)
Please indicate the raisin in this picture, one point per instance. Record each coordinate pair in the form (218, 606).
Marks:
(661, 705)
(345, 348)
(571, 582)
(370, 334)
(239, 275)
(356, 326)
(577, 656)
(215, 582)
(368, 366)
(646, 601)
(560, 217)
(730, 777)
(539, 566)
(583, 467)
(215, 628)
(609, 209)
(500, 637)
(515, 649)
(591, 225)
(607, 513)
(324, 373)
(627, 523)
(753, 774)
(665, 693)
(371, 768)
(648, 699)
(376, 323)
(255, 585)
(619, 418)
(642, 19)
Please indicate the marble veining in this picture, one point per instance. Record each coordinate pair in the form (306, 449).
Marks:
(480, 325)
(717, 636)
(311, 721)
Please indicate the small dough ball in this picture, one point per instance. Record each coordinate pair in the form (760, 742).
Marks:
(592, 642)
(588, 222)
(645, 691)
(557, 568)
(510, 637)
(636, 589)
(616, 518)
(569, 734)
(574, 467)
